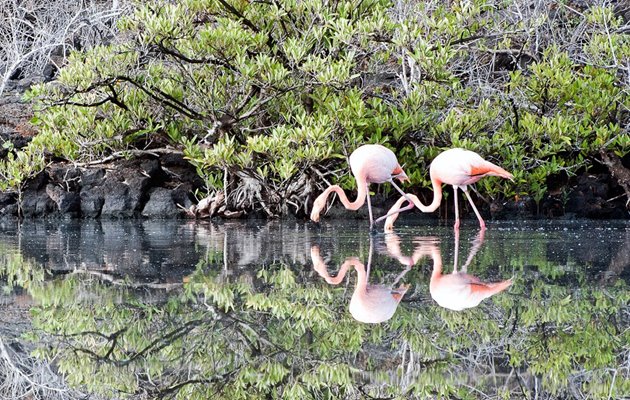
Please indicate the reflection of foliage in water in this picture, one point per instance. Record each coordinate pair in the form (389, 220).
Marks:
(282, 332)
(15, 270)
(215, 338)
(21, 375)
(276, 334)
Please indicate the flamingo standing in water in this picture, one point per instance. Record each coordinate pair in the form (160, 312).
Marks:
(456, 167)
(370, 163)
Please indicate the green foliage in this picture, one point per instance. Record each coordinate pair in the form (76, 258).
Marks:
(18, 271)
(270, 97)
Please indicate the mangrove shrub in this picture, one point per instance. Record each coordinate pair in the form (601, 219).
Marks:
(267, 99)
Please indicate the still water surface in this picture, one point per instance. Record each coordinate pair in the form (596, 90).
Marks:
(196, 310)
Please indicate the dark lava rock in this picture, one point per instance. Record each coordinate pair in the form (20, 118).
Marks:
(126, 189)
(91, 178)
(161, 204)
(596, 196)
(92, 200)
(124, 193)
(68, 203)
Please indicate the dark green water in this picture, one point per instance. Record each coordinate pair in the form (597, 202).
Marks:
(196, 310)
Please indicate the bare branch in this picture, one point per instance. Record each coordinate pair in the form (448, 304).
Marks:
(38, 34)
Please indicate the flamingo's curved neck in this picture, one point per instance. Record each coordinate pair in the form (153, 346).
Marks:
(393, 213)
(437, 197)
(350, 205)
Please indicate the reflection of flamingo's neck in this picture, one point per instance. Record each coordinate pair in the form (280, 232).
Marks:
(362, 278)
(340, 275)
(335, 280)
(392, 241)
(319, 265)
(437, 263)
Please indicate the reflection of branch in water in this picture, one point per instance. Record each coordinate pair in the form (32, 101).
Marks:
(122, 282)
(238, 244)
(155, 346)
(23, 376)
(172, 380)
(414, 363)
(162, 393)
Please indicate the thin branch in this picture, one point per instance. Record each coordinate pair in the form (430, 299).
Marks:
(126, 153)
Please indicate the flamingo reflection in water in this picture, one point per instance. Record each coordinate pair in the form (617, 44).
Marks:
(377, 303)
(370, 303)
(460, 290)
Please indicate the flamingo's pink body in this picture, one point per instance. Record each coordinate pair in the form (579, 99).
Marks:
(456, 167)
(370, 163)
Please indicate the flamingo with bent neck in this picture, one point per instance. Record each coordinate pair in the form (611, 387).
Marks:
(456, 167)
(370, 163)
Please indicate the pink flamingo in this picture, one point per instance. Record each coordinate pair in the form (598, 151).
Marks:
(370, 163)
(456, 167)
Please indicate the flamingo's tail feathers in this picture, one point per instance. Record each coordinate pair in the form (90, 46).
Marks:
(487, 168)
(501, 285)
(489, 289)
(398, 294)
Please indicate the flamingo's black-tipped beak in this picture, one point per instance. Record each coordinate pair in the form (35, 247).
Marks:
(403, 178)
(399, 173)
